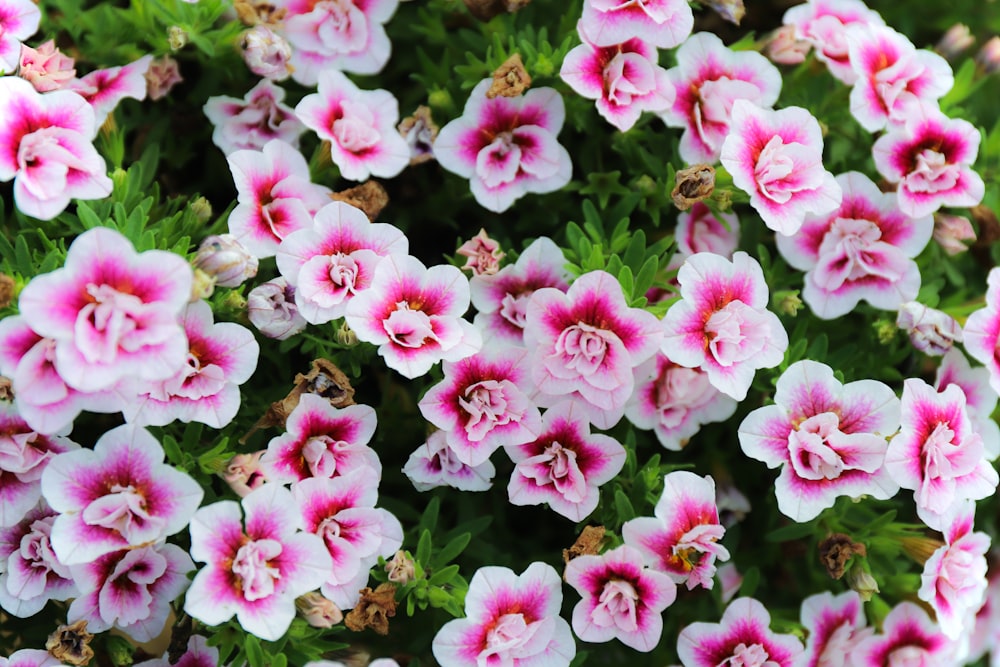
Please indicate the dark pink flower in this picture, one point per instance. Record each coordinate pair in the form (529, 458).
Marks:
(824, 24)
(908, 638)
(250, 123)
(46, 67)
(835, 624)
(663, 23)
(30, 573)
(741, 638)
(435, 464)
(19, 20)
(105, 88)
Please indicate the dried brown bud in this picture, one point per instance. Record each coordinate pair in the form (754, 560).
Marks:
(6, 389)
(71, 644)
(920, 548)
(370, 197)
(401, 568)
(253, 12)
(484, 10)
(836, 550)
(693, 184)
(373, 610)
(420, 131)
(510, 79)
(588, 544)
(730, 10)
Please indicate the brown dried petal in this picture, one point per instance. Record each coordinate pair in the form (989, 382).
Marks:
(71, 644)
(587, 544)
(836, 550)
(373, 610)
(693, 184)
(6, 389)
(7, 287)
(510, 79)
(370, 197)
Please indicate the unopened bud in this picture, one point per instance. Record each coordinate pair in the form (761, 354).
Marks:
(783, 48)
(318, 611)
(202, 209)
(202, 286)
(228, 260)
(271, 308)
(787, 302)
(951, 230)
(862, 582)
(177, 37)
(400, 568)
(267, 53)
(989, 56)
(931, 331)
(345, 336)
(955, 40)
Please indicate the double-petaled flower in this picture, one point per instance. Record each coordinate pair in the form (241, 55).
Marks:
(742, 637)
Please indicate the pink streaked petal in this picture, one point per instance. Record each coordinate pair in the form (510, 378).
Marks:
(216, 531)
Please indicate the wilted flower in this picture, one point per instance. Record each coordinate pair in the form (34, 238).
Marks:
(400, 569)
(420, 133)
(163, 74)
(931, 331)
(271, 308)
(267, 53)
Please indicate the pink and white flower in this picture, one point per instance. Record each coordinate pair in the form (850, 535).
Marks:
(624, 78)
(46, 67)
(46, 148)
(930, 157)
(742, 637)
(483, 404)
(784, 48)
(506, 146)
(482, 254)
(862, 250)
(777, 158)
(435, 464)
(117, 496)
(250, 123)
(30, 573)
(954, 578)
(501, 300)
(707, 81)
(721, 324)
(565, 465)
(675, 401)
(274, 194)
(835, 624)
(414, 315)
(266, 53)
(700, 230)
(621, 599)
(321, 440)
(682, 538)
(829, 438)
(937, 454)
(335, 259)
(892, 76)
(908, 637)
(982, 331)
(585, 343)
(19, 20)
(104, 89)
(950, 231)
(510, 620)
(272, 309)
(198, 654)
(257, 572)
(931, 331)
(29, 657)
(359, 124)
(980, 398)
(824, 24)
(663, 23)
(130, 590)
(112, 312)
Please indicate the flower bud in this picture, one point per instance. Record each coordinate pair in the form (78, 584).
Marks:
(951, 230)
(954, 41)
(46, 68)
(228, 260)
(483, 254)
(318, 611)
(163, 74)
(989, 56)
(732, 11)
(931, 331)
(243, 473)
(202, 209)
(783, 48)
(271, 308)
(345, 336)
(202, 286)
(787, 302)
(267, 53)
(177, 37)
(862, 582)
(401, 568)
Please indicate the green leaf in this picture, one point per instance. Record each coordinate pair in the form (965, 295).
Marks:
(635, 253)
(645, 276)
(452, 550)
(751, 580)
(423, 554)
(623, 506)
(443, 576)
(790, 532)
(255, 654)
(626, 280)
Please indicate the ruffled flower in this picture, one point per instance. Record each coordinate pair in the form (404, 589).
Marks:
(104, 89)
(742, 637)
(250, 123)
(663, 23)
(30, 573)
(435, 464)
(824, 24)
(908, 637)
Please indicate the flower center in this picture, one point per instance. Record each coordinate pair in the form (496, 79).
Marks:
(514, 307)
(109, 322)
(931, 172)
(408, 327)
(508, 634)
(252, 565)
(909, 656)
(18, 455)
(318, 453)
(852, 249)
(124, 509)
(628, 75)
(736, 333)
(487, 407)
(583, 347)
(810, 449)
(558, 466)
(617, 606)
(500, 161)
(748, 656)
(355, 129)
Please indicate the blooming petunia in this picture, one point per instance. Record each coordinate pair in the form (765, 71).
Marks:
(565, 465)
(584, 344)
(663, 23)
(980, 398)
(257, 572)
(360, 126)
(506, 146)
(707, 81)
(824, 24)
(682, 538)
(19, 20)
(908, 637)
(982, 330)
(742, 637)
(509, 620)
(30, 657)
(30, 573)
(46, 67)
(105, 88)
(777, 158)
(721, 324)
(198, 654)
(937, 454)
(836, 624)
(862, 250)
(829, 438)
(118, 495)
(435, 464)
(621, 598)
(334, 259)
(251, 122)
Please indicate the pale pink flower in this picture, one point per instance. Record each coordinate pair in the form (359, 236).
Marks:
(585, 343)
(930, 157)
(267, 53)
(835, 624)
(401, 568)
(954, 578)
(341, 511)
(335, 258)
(954, 41)
(565, 465)
(243, 473)
(509, 620)
(19, 20)
(663, 23)
(784, 48)
(699, 230)
(257, 572)
(862, 250)
(951, 230)
(908, 638)
(483, 404)
(271, 308)
(937, 454)
(741, 638)
(721, 324)
(30, 573)
(250, 123)
(482, 254)
(198, 654)
(45, 146)
(675, 401)
(118, 495)
(621, 599)
(360, 126)
(892, 76)
(414, 315)
(824, 25)
(318, 611)
(30, 657)
(227, 260)
(46, 67)
(501, 300)
(777, 158)
(321, 440)
(707, 81)
(274, 194)
(337, 35)
(682, 538)
(506, 146)
(113, 312)
(931, 331)
(435, 464)
(988, 57)
(980, 398)
(163, 74)
(829, 438)
(105, 88)
(624, 78)
(730, 581)
(221, 357)
(130, 590)
(982, 331)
